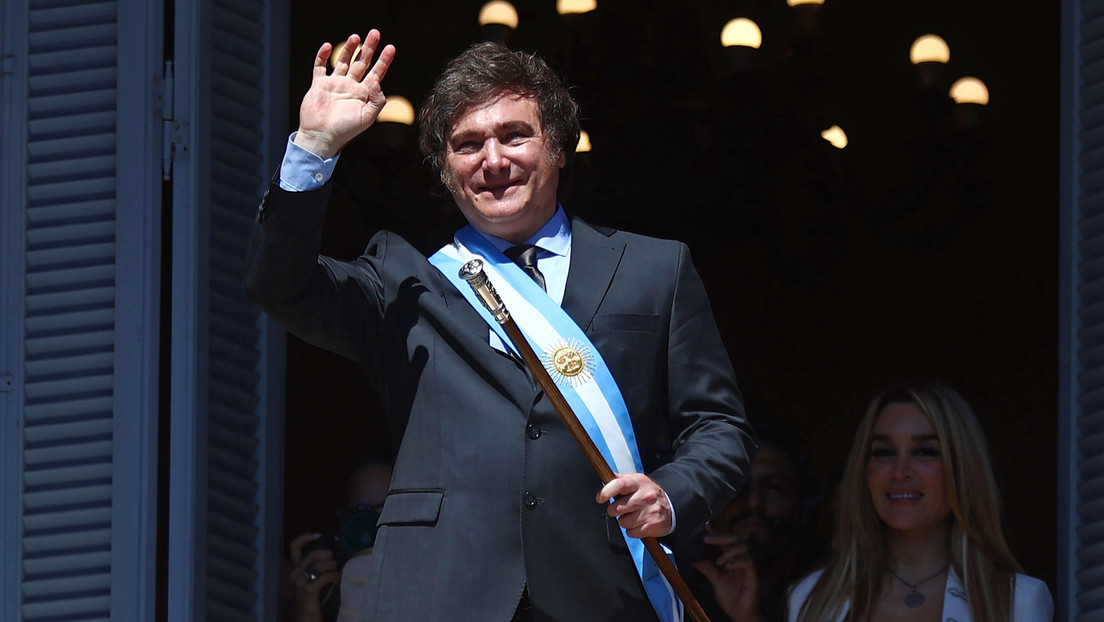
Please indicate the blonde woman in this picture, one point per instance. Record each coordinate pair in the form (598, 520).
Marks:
(918, 533)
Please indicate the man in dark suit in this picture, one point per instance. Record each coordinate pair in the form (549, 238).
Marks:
(493, 512)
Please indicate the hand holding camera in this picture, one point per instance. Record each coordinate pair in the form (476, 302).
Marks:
(317, 561)
(315, 575)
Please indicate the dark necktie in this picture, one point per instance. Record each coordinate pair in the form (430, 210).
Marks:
(525, 256)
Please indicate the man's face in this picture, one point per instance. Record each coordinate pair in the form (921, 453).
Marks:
(369, 486)
(767, 506)
(500, 169)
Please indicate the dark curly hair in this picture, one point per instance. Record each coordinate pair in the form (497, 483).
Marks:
(478, 75)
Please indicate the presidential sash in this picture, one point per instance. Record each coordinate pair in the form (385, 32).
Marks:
(576, 367)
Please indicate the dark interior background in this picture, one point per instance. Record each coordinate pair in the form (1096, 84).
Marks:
(924, 248)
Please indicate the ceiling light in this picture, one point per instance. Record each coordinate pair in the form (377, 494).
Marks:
(571, 7)
(836, 136)
(397, 110)
(741, 32)
(929, 49)
(584, 142)
(969, 90)
(498, 12)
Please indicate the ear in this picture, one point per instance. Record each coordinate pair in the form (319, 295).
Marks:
(562, 162)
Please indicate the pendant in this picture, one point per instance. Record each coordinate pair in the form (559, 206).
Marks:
(914, 599)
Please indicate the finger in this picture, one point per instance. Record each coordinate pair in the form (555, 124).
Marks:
(746, 566)
(734, 555)
(312, 564)
(324, 565)
(371, 42)
(645, 530)
(359, 64)
(707, 569)
(310, 572)
(295, 548)
(616, 487)
(341, 66)
(318, 557)
(640, 500)
(320, 59)
(628, 505)
(302, 578)
(383, 63)
(724, 539)
(630, 521)
(329, 578)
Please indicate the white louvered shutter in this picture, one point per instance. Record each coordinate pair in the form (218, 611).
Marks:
(79, 367)
(226, 444)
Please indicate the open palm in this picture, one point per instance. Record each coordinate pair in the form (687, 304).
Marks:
(342, 104)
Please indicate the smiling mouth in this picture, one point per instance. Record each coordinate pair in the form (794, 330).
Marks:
(499, 188)
(903, 496)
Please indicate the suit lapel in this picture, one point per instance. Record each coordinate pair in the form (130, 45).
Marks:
(594, 260)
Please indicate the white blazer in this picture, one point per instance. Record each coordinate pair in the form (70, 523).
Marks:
(1031, 601)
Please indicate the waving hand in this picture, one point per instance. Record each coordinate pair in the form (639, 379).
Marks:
(342, 104)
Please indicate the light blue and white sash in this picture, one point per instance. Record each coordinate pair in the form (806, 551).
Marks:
(590, 388)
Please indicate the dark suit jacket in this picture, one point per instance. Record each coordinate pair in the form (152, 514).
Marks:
(489, 491)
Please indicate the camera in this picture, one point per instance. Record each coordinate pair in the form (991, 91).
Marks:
(356, 531)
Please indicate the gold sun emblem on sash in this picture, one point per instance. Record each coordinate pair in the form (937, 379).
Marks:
(569, 363)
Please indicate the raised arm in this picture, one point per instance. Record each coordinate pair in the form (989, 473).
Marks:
(343, 103)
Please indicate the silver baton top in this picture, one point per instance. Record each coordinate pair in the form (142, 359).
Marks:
(472, 272)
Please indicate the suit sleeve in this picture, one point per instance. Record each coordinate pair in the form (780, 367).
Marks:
(711, 438)
(332, 304)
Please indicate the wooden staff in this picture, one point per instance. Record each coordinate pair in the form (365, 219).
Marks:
(472, 272)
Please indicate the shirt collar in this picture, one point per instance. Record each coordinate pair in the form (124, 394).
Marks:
(554, 236)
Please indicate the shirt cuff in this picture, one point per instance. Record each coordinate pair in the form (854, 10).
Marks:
(302, 170)
(672, 506)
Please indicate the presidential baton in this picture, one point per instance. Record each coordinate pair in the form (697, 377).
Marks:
(473, 273)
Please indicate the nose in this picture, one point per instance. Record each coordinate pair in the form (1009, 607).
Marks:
(494, 160)
(902, 466)
(753, 497)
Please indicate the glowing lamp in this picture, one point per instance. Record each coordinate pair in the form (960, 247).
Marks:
(929, 49)
(929, 54)
(970, 97)
(572, 7)
(836, 136)
(584, 143)
(969, 90)
(498, 12)
(397, 110)
(741, 32)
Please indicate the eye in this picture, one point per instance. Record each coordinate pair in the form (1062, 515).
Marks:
(467, 147)
(881, 452)
(927, 451)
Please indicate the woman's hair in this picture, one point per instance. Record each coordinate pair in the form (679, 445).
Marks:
(978, 550)
(478, 75)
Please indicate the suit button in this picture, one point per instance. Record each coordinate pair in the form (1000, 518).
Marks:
(533, 431)
(530, 500)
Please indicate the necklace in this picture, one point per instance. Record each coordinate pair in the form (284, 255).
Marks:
(914, 599)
